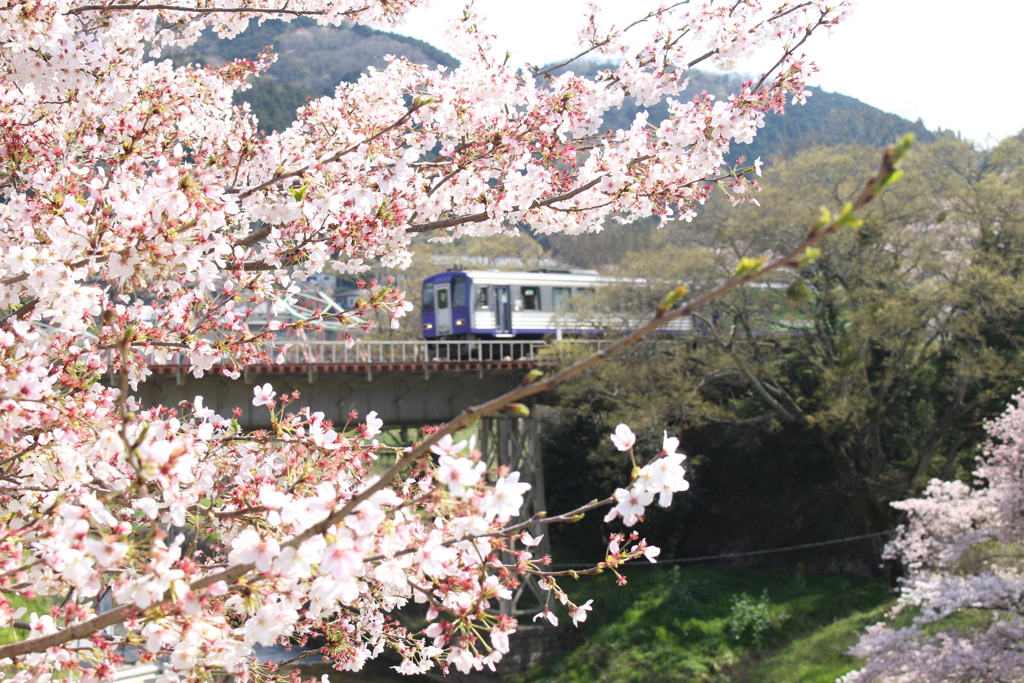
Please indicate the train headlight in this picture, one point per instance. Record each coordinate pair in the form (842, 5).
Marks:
(428, 326)
(460, 322)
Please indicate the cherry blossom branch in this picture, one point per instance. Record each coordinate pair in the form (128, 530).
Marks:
(418, 104)
(15, 279)
(483, 215)
(788, 53)
(262, 233)
(657, 13)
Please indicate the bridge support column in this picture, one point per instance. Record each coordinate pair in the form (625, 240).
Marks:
(514, 442)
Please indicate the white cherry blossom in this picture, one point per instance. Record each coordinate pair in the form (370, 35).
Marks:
(263, 396)
(459, 474)
(964, 586)
(578, 614)
(505, 499)
(623, 438)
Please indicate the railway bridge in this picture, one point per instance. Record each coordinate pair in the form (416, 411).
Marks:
(408, 383)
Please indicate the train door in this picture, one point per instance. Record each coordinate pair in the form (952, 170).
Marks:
(502, 311)
(443, 308)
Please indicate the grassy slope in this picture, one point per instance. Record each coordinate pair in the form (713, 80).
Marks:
(38, 605)
(818, 657)
(671, 625)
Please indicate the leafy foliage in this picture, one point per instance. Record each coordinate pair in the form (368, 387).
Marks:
(753, 619)
(821, 396)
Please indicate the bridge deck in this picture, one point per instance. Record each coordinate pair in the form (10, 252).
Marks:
(363, 368)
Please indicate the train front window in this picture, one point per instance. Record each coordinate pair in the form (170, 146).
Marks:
(531, 298)
(442, 299)
(482, 300)
(459, 292)
(428, 297)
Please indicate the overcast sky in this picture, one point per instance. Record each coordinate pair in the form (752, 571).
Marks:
(956, 65)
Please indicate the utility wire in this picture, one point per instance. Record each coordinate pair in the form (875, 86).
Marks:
(776, 550)
(707, 558)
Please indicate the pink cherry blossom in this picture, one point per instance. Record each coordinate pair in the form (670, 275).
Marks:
(669, 444)
(529, 541)
(447, 446)
(250, 547)
(630, 505)
(547, 614)
(499, 639)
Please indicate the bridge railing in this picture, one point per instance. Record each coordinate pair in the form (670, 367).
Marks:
(364, 351)
(321, 352)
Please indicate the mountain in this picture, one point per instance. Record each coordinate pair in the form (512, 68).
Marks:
(313, 59)
(826, 119)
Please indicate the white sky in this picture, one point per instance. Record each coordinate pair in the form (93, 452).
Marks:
(946, 62)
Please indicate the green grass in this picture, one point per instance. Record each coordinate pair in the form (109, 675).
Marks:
(818, 657)
(670, 625)
(39, 605)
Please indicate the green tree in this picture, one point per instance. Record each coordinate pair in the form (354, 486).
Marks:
(860, 375)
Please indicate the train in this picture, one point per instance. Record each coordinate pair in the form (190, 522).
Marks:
(492, 304)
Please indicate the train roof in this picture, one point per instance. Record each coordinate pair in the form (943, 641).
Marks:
(573, 278)
(505, 277)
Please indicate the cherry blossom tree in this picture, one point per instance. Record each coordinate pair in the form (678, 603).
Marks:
(145, 215)
(960, 614)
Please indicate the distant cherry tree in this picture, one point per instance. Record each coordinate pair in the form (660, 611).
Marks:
(960, 614)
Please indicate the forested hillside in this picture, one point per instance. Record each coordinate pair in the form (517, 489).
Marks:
(313, 59)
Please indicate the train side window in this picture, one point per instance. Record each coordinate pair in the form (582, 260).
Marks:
(585, 296)
(428, 297)
(459, 292)
(482, 300)
(560, 298)
(531, 298)
(442, 299)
